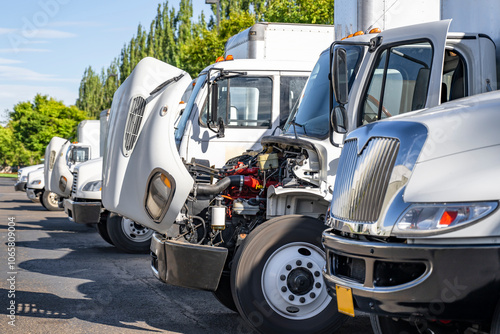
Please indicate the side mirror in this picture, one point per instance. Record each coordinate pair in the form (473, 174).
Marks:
(338, 123)
(212, 105)
(340, 79)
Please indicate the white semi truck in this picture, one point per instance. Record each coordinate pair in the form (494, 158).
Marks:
(253, 236)
(22, 177)
(262, 72)
(413, 236)
(38, 193)
(61, 156)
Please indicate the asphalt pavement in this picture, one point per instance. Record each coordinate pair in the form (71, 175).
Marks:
(57, 276)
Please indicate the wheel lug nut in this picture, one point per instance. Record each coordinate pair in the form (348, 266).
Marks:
(316, 273)
(291, 297)
(309, 265)
(288, 267)
(312, 295)
(302, 300)
(282, 277)
(318, 285)
(283, 288)
(299, 263)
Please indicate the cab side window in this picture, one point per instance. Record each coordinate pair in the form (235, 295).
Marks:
(243, 102)
(290, 89)
(398, 82)
(454, 77)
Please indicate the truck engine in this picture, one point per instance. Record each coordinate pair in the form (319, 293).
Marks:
(227, 203)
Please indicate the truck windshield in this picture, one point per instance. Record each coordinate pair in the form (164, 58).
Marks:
(79, 154)
(181, 126)
(311, 118)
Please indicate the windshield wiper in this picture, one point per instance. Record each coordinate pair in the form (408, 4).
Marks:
(297, 124)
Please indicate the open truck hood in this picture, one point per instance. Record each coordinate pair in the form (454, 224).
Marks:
(55, 166)
(141, 142)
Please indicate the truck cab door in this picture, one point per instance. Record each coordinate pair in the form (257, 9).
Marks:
(59, 178)
(402, 72)
(144, 178)
(51, 155)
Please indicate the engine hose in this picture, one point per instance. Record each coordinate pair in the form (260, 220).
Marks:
(221, 185)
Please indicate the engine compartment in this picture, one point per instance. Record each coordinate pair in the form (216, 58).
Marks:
(227, 203)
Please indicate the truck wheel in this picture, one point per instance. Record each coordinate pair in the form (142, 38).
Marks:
(50, 201)
(102, 229)
(127, 235)
(223, 292)
(276, 278)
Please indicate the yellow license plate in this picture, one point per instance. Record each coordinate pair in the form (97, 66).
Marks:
(345, 302)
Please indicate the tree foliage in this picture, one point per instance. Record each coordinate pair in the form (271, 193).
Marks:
(174, 38)
(31, 127)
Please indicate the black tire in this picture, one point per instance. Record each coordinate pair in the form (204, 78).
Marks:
(102, 229)
(262, 263)
(50, 201)
(223, 292)
(128, 236)
(495, 323)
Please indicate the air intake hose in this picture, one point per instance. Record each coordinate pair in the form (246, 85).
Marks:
(221, 185)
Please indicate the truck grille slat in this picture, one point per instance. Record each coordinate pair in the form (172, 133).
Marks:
(75, 184)
(134, 121)
(362, 179)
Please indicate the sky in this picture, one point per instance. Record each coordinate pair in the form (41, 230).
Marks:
(45, 45)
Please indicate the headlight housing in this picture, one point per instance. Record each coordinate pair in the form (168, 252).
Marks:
(436, 218)
(93, 186)
(63, 181)
(161, 187)
(36, 182)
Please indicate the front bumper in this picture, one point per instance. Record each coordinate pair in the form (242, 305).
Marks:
(83, 212)
(447, 282)
(187, 265)
(20, 186)
(33, 194)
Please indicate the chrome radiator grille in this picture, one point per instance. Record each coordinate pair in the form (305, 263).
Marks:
(134, 121)
(362, 180)
(74, 187)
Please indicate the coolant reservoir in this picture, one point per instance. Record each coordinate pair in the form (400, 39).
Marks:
(267, 161)
(242, 207)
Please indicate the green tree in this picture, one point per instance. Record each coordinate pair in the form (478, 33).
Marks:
(299, 11)
(34, 124)
(12, 152)
(90, 94)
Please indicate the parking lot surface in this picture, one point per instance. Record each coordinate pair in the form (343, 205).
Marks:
(61, 277)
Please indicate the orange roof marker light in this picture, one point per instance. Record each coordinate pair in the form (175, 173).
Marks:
(349, 36)
(229, 57)
(374, 31)
(358, 33)
(219, 59)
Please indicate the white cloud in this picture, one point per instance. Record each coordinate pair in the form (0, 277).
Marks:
(34, 32)
(4, 31)
(75, 24)
(49, 33)
(4, 61)
(15, 50)
(15, 73)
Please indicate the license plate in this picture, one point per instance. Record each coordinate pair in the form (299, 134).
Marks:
(345, 302)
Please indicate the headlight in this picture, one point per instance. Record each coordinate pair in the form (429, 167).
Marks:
(93, 186)
(62, 183)
(432, 218)
(36, 182)
(159, 194)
